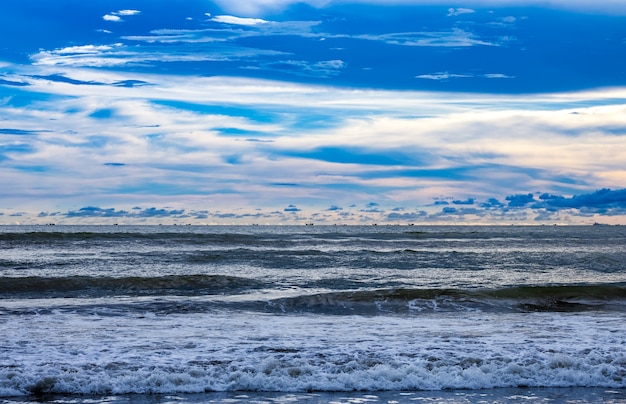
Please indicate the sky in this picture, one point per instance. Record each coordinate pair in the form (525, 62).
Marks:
(318, 111)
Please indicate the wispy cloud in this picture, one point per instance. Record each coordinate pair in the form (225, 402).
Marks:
(497, 76)
(454, 12)
(259, 7)
(128, 12)
(119, 55)
(454, 38)
(443, 76)
(324, 68)
(222, 39)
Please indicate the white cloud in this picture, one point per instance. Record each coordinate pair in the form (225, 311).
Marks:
(229, 19)
(85, 49)
(128, 12)
(111, 18)
(115, 16)
(497, 76)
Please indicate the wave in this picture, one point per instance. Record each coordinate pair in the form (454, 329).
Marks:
(86, 286)
(299, 233)
(176, 292)
(290, 373)
(209, 353)
(86, 236)
(569, 298)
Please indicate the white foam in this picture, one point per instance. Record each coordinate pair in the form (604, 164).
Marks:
(69, 352)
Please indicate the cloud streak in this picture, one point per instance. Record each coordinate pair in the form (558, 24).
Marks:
(259, 7)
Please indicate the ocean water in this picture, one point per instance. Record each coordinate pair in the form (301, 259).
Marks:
(159, 314)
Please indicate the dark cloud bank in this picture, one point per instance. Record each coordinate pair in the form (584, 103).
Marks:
(604, 202)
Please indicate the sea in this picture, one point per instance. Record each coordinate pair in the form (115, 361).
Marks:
(313, 314)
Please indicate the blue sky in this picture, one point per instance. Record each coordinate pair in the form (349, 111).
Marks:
(323, 111)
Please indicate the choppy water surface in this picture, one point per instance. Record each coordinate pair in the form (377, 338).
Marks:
(295, 311)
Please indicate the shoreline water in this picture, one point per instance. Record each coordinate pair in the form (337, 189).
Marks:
(483, 396)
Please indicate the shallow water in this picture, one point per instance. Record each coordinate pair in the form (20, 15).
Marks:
(505, 395)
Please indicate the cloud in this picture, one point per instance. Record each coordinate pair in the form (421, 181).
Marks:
(260, 7)
(119, 55)
(453, 12)
(111, 18)
(128, 12)
(497, 76)
(131, 83)
(326, 68)
(459, 212)
(491, 203)
(165, 128)
(224, 34)
(94, 211)
(408, 216)
(182, 130)
(257, 7)
(292, 209)
(443, 76)
(85, 49)
(115, 16)
(602, 199)
(97, 212)
(455, 38)
(229, 19)
(468, 201)
(63, 79)
(605, 202)
(231, 28)
(6, 82)
(520, 200)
